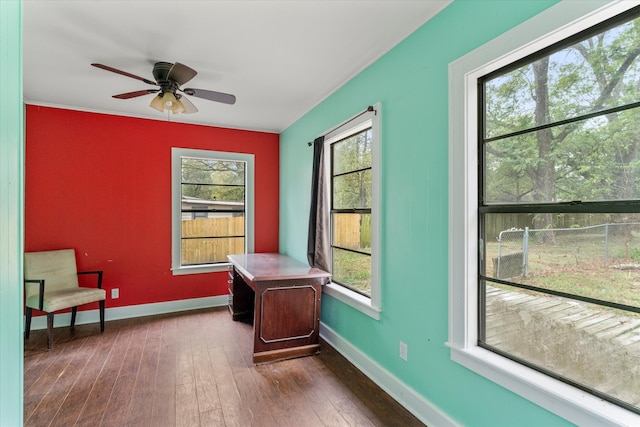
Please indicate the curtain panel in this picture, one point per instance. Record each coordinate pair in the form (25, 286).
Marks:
(318, 243)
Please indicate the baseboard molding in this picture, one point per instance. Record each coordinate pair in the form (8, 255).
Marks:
(420, 407)
(131, 311)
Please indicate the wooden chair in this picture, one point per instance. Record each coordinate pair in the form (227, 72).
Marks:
(51, 284)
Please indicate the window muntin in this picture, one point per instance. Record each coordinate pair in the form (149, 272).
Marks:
(351, 190)
(552, 149)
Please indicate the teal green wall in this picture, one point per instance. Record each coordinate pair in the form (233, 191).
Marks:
(11, 213)
(411, 82)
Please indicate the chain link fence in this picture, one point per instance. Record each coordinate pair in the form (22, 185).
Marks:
(520, 250)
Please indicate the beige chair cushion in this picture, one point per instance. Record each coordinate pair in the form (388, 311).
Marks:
(57, 300)
(58, 269)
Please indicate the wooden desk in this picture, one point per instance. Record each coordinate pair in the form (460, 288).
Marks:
(284, 297)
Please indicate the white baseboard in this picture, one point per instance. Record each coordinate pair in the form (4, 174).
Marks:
(116, 313)
(421, 408)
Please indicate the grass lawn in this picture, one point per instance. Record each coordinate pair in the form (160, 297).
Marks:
(578, 265)
(353, 270)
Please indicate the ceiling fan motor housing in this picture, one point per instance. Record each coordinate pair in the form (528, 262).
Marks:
(160, 74)
(161, 71)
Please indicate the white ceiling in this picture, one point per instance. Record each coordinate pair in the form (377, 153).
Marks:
(280, 58)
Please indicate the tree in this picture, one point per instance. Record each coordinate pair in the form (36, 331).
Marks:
(594, 159)
(213, 179)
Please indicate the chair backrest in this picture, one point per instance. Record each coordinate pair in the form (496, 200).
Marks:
(57, 268)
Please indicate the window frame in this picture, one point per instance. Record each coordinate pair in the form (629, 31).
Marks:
(552, 25)
(176, 206)
(370, 306)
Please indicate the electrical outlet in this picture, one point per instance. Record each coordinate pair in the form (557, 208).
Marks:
(115, 293)
(403, 351)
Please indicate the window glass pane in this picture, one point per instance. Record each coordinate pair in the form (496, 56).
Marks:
(211, 193)
(585, 343)
(352, 153)
(591, 160)
(590, 255)
(352, 191)
(210, 171)
(352, 270)
(597, 73)
(352, 231)
(215, 226)
(208, 251)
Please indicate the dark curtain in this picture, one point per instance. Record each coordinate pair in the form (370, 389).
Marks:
(318, 241)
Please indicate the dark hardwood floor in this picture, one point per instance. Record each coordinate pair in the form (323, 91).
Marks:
(191, 369)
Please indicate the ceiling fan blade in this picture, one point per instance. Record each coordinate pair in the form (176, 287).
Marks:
(128, 95)
(225, 98)
(124, 73)
(188, 105)
(181, 73)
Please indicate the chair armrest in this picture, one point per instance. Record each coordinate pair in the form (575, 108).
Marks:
(98, 272)
(41, 294)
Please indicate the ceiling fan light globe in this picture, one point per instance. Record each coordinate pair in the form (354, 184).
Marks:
(169, 100)
(157, 103)
(178, 107)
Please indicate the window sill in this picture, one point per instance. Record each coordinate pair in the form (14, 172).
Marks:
(198, 269)
(353, 299)
(569, 402)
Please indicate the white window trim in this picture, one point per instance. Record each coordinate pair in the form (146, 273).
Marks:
(552, 25)
(176, 196)
(369, 306)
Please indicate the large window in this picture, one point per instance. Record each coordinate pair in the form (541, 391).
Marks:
(559, 210)
(211, 208)
(545, 212)
(353, 163)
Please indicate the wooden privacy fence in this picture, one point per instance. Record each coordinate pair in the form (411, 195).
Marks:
(208, 240)
(352, 231)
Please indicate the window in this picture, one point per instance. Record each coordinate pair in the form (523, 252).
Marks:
(353, 163)
(212, 204)
(351, 211)
(541, 232)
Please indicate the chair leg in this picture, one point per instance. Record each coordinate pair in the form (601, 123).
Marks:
(49, 330)
(27, 326)
(101, 316)
(74, 310)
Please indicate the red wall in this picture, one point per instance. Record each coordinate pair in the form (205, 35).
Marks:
(102, 184)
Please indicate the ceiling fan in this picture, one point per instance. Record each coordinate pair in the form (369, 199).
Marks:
(169, 77)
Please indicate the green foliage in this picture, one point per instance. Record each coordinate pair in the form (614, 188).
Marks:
(352, 171)
(213, 179)
(634, 254)
(590, 160)
(365, 231)
(352, 270)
